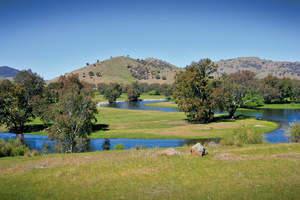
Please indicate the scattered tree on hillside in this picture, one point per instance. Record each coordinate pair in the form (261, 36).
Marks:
(91, 73)
(16, 100)
(195, 91)
(112, 92)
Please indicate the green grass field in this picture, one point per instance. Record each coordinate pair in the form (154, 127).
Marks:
(142, 124)
(282, 106)
(268, 171)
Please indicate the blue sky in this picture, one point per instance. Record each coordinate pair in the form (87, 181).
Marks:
(54, 37)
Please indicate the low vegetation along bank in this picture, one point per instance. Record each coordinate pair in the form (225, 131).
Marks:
(267, 171)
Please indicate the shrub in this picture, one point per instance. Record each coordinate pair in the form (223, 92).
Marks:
(154, 92)
(294, 131)
(35, 152)
(241, 136)
(119, 147)
(28, 154)
(12, 147)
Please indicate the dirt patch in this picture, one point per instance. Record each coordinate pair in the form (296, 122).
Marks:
(289, 156)
(259, 125)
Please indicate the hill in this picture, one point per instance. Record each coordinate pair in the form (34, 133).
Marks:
(127, 70)
(7, 72)
(262, 67)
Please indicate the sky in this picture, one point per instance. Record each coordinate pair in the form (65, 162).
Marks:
(54, 37)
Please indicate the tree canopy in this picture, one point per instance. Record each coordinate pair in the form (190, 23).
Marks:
(74, 113)
(196, 92)
(17, 100)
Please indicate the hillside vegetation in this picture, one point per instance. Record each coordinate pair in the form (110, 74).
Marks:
(127, 70)
(262, 67)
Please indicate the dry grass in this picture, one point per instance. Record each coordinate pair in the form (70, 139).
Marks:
(268, 171)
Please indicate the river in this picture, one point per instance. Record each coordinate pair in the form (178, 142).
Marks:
(281, 116)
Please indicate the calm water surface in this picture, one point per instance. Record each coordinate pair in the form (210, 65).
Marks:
(281, 116)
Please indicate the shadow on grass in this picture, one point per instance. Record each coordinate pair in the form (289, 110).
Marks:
(100, 127)
(37, 128)
(223, 118)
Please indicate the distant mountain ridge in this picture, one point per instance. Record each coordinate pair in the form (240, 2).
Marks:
(262, 67)
(7, 72)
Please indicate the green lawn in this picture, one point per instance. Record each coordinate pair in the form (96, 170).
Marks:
(144, 124)
(268, 171)
(282, 106)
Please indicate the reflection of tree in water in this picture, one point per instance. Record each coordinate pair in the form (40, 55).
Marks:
(60, 145)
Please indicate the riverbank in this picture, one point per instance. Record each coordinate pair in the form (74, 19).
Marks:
(268, 171)
(172, 104)
(148, 124)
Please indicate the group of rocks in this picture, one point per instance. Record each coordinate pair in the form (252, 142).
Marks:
(196, 151)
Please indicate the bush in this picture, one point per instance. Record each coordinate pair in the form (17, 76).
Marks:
(119, 147)
(12, 147)
(294, 132)
(154, 92)
(241, 136)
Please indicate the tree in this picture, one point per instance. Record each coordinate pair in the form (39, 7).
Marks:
(242, 88)
(112, 92)
(195, 91)
(74, 113)
(133, 93)
(16, 100)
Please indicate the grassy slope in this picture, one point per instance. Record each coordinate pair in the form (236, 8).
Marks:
(115, 70)
(269, 171)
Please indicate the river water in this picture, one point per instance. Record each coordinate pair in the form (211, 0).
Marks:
(281, 116)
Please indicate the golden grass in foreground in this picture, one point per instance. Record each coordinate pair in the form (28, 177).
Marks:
(269, 171)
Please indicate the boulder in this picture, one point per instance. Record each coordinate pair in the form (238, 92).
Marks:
(170, 152)
(198, 150)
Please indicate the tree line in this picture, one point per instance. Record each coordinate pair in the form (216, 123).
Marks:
(112, 91)
(199, 94)
(66, 106)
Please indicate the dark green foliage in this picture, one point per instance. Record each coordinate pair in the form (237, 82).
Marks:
(133, 93)
(112, 92)
(17, 100)
(240, 88)
(98, 74)
(101, 87)
(164, 78)
(106, 145)
(241, 136)
(73, 114)
(196, 93)
(12, 147)
(91, 73)
(154, 92)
